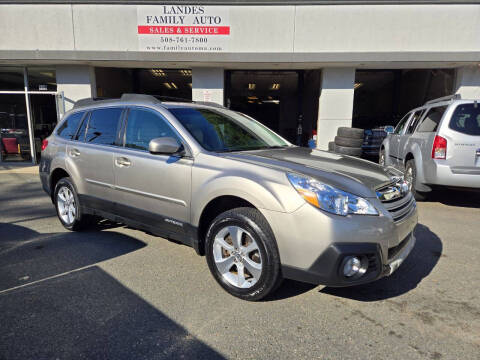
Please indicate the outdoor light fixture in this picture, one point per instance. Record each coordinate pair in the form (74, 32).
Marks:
(252, 86)
(158, 72)
(275, 86)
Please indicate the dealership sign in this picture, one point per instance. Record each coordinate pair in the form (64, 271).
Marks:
(183, 28)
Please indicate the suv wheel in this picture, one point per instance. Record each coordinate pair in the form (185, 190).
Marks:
(411, 178)
(242, 254)
(68, 206)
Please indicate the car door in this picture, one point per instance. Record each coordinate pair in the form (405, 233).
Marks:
(90, 157)
(153, 190)
(396, 138)
(404, 140)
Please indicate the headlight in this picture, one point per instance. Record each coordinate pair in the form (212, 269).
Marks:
(330, 199)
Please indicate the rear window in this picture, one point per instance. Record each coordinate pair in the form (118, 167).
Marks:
(69, 127)
(432, 119)
(466, 119)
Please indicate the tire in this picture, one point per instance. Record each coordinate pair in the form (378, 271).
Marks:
(411, 178)
(352, 133)
(263, 258)
(331, 146)
(74, 220)
(352, 151)
(348, 142)
(381, 157)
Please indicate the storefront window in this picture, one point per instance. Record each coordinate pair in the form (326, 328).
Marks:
(41, 79)
(14, 140)
(15, 143)
(11, 78)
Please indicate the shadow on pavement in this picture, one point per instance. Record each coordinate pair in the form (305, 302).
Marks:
(418, 265)
(89, 315)
(469, 199)
(27, 256)
(55, 303)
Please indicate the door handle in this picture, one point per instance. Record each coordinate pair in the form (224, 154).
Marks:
(122, 162)
(74, 152)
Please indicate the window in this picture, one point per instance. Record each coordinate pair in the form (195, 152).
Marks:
(414, 122)
(144, 125)
(226, 130)
(432, 119)
(466, 119)
(103, 125)
(69, 127)
(401, 124)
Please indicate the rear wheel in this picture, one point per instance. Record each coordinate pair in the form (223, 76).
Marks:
(242, 254)
(411, 178)
(68, 206)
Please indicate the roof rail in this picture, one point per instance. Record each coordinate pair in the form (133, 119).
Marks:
(445, 98)
(139, 97)
(89, 101)
(210, 103)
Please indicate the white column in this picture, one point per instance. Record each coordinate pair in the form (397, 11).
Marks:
(467, 82)
(76, 82)
(207, 85)
(335, 104)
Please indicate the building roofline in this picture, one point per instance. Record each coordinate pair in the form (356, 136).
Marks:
(245, 2)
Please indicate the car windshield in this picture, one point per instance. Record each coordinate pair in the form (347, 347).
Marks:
(226, 130)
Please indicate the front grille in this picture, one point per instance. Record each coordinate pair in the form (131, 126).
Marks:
(399, 207)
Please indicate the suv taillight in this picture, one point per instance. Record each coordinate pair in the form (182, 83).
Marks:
(439, 150)
(44, 144)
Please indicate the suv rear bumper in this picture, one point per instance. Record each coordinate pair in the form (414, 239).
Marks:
(440, 174)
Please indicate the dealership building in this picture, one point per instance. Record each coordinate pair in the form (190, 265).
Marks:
(299, 67)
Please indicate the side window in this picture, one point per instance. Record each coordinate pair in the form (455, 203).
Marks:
(414, 121)
(69, 127)
(103, 126)
(144, 125)
(401, 124)
(432, 119)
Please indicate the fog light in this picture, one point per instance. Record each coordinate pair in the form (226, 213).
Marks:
(352, 266)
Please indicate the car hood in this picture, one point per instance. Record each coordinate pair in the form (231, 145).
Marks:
(357, 176)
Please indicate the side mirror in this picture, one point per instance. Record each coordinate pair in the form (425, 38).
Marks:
(389, 129)
(164, 145)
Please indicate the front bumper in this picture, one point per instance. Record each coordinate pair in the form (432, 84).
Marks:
(313, 244)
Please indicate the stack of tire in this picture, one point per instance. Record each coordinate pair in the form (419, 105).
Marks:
(348, 141)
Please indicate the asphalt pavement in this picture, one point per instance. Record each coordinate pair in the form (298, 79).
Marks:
(117, 293)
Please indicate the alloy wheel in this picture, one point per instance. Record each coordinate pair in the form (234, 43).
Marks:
(66, 205)
(237, 257)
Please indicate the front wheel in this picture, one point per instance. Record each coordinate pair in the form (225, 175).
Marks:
(242, 254)
(381, 157)
(411, 178)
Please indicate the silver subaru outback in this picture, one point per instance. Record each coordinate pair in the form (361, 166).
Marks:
(259, 208)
